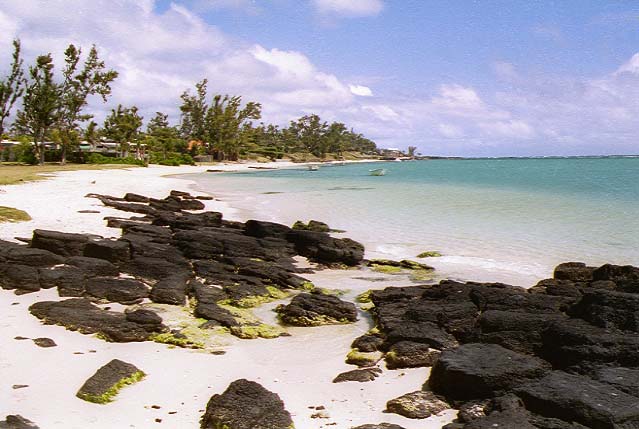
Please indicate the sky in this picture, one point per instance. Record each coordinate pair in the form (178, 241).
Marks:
(452, 77)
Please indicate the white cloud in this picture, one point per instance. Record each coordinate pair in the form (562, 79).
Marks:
(361, 90)
(349, 8)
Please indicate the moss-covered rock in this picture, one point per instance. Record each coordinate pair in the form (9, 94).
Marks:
(177, 339)
(429, 254)
(251, 301)
(356, 357)
(10, 214)
(316, 309)
(386, 269)
(105, 384)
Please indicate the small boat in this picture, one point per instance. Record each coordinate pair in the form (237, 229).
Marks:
(312, 167)
(377, 172)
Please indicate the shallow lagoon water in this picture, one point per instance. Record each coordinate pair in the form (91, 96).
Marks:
(509, 220)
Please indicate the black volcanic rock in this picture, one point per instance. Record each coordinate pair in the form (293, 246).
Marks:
(574, 271)
(317, 309)
(474, 371)
(114, 289)
(575, 398)
(246, 405)
(61, 243)
(115, 251)
(81, 315)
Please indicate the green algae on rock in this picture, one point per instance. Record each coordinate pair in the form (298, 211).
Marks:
(105, 384)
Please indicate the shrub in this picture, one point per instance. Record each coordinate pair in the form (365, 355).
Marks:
(96, 158)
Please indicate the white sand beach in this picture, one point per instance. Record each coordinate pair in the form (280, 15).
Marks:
(179, 382)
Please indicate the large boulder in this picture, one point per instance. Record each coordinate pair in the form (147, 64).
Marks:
(23, 255)
(609, 309)
(323, 248)
(624, 379)
(21, 277)
(114, 289)
(262, 229)
(171, 290)
(61, 243)
(575, 398)
(93, 267)
(573, 271)
(574, 342)
(246, 405)
(70, 281)
(409, 354)
(105, 384)
(626, 277)
(474, 371)
(317, 309)
(81, 315)
(115, 251)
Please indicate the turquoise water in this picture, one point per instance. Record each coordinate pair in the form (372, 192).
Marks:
(507, 220)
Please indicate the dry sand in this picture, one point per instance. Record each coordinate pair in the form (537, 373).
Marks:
(299, 368)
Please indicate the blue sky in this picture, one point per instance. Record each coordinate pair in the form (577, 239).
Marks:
(469, 78)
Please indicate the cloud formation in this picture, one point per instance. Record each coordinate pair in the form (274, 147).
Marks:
(160, 54)
(349, 8)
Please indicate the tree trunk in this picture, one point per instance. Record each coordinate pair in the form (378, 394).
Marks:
(63, 159)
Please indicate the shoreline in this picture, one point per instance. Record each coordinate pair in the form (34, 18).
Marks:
(298, 368)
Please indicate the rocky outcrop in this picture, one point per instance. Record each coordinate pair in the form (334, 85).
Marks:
(105, 384)
(246, 405)
(315, 309)
(559, 355)
(475, 371)
(81, 315)
(61, 243)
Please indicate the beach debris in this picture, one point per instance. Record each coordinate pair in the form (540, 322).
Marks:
(360, 375)
(246, 405)
(416, 405)
(315, 309)
(17, 422)
(19, 386)
(107, 381)
(44, 342)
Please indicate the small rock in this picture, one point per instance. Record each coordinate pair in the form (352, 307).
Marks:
(44, 342)
(17, 422)
(360, 375)
(20, 338)
(416, 405)
(19, 386)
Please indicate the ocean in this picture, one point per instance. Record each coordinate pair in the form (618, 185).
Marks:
(507, 220)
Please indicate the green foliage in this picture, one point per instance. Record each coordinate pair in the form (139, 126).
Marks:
(11, 87)
(171, 158)
(96, 158)
(24, 152)
(123, 125)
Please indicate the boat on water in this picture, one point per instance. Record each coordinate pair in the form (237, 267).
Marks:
(312, 167)
(377, 172)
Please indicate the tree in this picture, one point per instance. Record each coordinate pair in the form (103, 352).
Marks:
(11, 87)
(224, 122)
(40, 103)
(161, 135)
(77, 86)
(194, 110)
(311, 133)
(411, 151)
(123, 125)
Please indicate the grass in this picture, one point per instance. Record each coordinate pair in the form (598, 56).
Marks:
(9, 214)
(12, 174)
